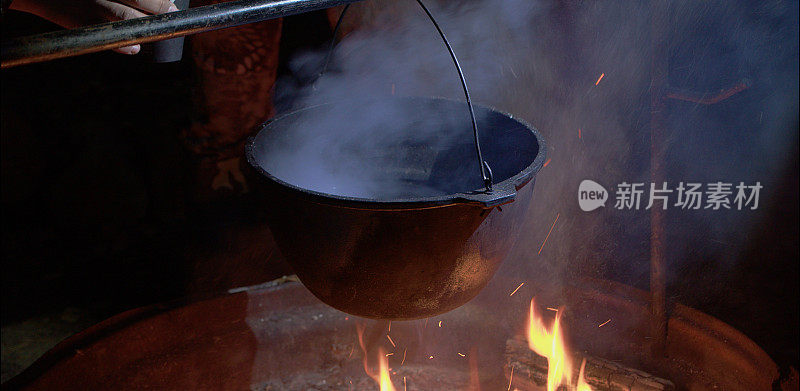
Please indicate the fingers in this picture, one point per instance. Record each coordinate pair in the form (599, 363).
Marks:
(151, 6)
(119, 11)
(115, 11)
(129, 50)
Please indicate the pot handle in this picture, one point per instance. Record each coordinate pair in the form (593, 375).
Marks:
(486, 172)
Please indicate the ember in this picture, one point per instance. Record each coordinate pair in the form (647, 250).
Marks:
(548, 232)
(600, 78)
(515, 290)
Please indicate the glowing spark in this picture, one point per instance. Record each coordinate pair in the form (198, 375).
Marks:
(552, 309)
(404, 383)
(390, 341)
(426, 323)
(548, 233)
(404, 357)
(600, 78)
(510, 379)
(604, 323)
(390, 327)
(430, 357)
(351, 351)
(440, 323)
(389, 354)
(546, 163)
(462, 354)
(515, 290)
(579, 132)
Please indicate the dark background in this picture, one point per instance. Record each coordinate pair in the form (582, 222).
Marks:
(98, 217)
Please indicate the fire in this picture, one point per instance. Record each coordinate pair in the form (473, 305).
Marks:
(384, 380)
(549, 343)
(382, 377)
(582, 386)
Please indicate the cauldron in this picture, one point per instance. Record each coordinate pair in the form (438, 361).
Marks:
(379, 207)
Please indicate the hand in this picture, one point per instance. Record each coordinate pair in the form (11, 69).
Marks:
(77, 13)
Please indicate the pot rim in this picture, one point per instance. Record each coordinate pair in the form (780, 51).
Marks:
(502, 192)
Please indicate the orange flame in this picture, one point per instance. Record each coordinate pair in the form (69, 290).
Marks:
(549, 343)
(582, 385)
(382, 377)
(384, 380)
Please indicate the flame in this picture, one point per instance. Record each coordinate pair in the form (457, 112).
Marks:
(382, 377)
(582, 386)
(384, 380)
(549, 343)
(474, 375)
(360, 327)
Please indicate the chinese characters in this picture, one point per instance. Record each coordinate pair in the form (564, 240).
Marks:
(688, 195)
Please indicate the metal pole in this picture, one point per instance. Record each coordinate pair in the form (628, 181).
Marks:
(90, 39)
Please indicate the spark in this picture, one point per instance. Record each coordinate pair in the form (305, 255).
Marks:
(552, 309)
(351, 351)
(390, 341)
(510, 379)
(462, 354)
(426, 323)
(546, 163)
(515, 290)
(389, 354)
(430, 357)
(579, 133)
(600, 78)
(440, 323)
(404, 383)
(548, 233)
(390, 327)
(604, 323)
(404, 357)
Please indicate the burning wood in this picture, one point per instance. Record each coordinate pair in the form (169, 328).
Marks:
(531, 370)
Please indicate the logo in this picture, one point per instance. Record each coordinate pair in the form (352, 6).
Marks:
(684, 195)
(591, 195)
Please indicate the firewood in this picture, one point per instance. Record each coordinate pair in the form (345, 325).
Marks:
(530, 372)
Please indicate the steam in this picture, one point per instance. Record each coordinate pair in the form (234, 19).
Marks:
(540, 60)
(373, 147)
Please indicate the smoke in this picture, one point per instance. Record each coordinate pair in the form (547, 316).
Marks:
(540, 61)
(375, 148)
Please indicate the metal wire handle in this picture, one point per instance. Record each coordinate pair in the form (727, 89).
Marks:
(486, 171)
